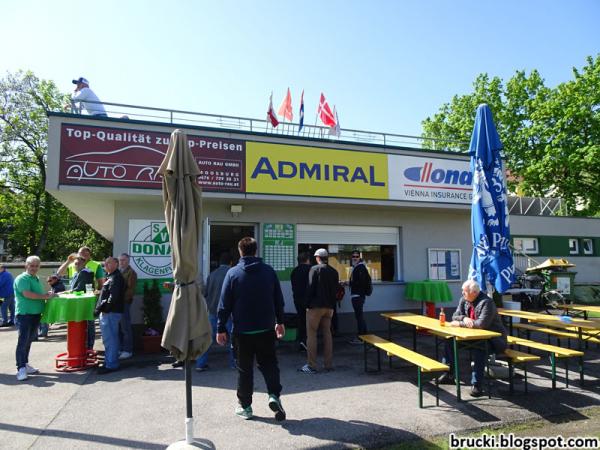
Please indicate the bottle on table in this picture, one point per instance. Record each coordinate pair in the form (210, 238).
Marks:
(442, 317)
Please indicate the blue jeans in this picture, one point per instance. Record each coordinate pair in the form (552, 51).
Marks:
(496, 346)
(125, 331)
(91, 334)
(43, 329)
(358, 304)
(8, 306)
(28, 327)
(109, 326)
(202, 361)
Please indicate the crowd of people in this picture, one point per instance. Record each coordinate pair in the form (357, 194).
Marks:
(245, 306)
(114, 284)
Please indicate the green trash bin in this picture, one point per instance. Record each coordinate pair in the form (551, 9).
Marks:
(561, 281)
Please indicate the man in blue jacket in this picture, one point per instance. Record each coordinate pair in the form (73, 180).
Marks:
(251, 294)
(8, 294)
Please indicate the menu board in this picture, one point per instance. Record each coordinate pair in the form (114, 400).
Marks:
(279, 242)
(444, 264)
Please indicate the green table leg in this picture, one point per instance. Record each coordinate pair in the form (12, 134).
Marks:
(456, 368)
(553, 363)
(420, 387)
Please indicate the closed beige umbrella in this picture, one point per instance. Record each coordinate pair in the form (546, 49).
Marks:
(187, 332)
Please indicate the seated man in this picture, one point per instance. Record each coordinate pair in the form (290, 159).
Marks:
(475, 310)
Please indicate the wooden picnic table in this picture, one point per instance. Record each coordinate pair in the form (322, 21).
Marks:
(591, 327)
(585, 309)
(457, 334)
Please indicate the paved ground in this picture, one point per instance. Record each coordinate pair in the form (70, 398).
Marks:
(143, 405)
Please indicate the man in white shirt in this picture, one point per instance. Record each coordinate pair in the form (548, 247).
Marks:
(85, 96)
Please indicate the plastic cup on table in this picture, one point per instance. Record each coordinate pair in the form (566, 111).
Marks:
(89, 289)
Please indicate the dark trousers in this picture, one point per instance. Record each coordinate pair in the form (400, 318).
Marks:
(28, 328)
(358, 304)
(262, 347)
(334, 320)
(496, 346)
(301, 311)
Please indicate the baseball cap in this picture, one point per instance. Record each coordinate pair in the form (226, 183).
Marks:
(81, 80)
(322, 253)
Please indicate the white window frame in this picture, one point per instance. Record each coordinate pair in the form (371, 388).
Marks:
(573, 246)
(587, 249)
(356, 235)
(527, 245)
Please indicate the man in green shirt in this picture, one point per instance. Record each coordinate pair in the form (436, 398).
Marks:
(31, 300)
(68, 268)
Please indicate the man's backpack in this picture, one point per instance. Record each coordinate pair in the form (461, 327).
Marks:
(369, 287)
(339, 292)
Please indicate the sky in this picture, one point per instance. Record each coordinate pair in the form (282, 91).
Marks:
(386, 64)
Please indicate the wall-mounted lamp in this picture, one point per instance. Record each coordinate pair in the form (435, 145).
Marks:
(236, 210)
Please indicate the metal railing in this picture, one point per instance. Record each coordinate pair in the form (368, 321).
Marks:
(190, 118)
(535, 206)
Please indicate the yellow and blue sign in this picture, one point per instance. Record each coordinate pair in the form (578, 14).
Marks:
(300, 170)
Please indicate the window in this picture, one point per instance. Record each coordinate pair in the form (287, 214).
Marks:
(588, 246)
(573, 246)
(378, 247)
(529, 246)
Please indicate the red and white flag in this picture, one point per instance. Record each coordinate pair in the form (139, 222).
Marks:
(271, 116)
(285, 110)
(335, 129)
(324, 113)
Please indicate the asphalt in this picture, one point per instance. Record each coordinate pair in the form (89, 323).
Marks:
(143, 404)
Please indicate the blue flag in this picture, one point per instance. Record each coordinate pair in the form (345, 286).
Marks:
(301, 115)
(492, 259)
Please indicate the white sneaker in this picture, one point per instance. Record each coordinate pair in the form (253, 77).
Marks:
(125, 355)
(22, 374)
(31, 370)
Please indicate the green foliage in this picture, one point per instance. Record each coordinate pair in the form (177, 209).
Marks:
(33, 220)
(551, 137)
(152, 308)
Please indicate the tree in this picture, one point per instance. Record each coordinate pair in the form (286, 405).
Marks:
(36, 222)
(550, 136)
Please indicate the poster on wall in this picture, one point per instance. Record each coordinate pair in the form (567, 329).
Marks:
(117, 157)
(427, 179)
(279, 242)
(150, 249)
(444, 263)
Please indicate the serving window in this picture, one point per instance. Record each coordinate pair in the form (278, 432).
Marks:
(378, 247)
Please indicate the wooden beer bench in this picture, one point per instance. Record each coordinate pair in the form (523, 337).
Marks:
(424, 363)
(555, 352)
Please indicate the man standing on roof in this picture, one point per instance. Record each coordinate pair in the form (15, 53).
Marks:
(87, 98)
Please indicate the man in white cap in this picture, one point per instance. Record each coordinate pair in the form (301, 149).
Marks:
(85, 97)
(323, 281)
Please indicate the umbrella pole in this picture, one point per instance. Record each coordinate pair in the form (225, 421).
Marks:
(189, 421)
